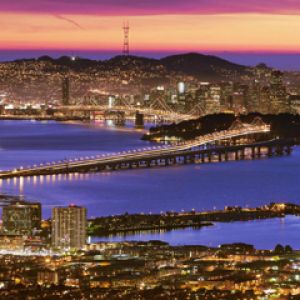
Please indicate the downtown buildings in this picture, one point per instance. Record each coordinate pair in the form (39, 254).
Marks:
(23, 228)
(35, 86)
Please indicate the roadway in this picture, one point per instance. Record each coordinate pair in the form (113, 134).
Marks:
(168, 115)
(136, 154)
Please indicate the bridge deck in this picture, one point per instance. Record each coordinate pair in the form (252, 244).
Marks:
(145, 154)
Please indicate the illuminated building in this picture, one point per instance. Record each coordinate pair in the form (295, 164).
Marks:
(68, 227)
(181, 88)
(279, 96)
(254, 96)
(295, 103)
(47, 277)
(12, 242)
(265, 100)
(66, 91)
(21, 217)
(212, 103)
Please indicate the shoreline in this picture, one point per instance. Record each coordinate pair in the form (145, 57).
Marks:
(38, 118)
(138, 223)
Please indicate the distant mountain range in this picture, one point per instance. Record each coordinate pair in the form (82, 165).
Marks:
(204, 67)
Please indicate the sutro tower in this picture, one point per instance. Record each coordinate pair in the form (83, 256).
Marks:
(126, 38)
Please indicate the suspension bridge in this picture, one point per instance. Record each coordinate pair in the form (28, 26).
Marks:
(157, 110)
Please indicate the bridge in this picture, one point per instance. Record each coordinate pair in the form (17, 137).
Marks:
(188, 151)
(158, 109)
(155, 113)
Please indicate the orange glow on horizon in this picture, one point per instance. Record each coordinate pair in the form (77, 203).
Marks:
(256, 32)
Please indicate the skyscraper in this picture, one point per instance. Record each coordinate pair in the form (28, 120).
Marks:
(21, 217)
(69, 227)
(66, 91)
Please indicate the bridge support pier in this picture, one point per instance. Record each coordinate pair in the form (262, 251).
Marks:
(253, 152)
(139, 120)
(259, 151)
(288, 150)
(203, 158)
(210, 156)
(236, 155)
(226, 156)
(243, 153)
(270, 151)
(279, 150)
(220, 156)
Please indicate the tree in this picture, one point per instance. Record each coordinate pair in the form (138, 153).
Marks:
(279, 249)
(288, 249)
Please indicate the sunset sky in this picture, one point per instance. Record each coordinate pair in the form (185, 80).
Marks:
(164, 25)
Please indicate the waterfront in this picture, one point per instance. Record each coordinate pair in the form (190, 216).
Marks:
(264, 234)
(201, 187)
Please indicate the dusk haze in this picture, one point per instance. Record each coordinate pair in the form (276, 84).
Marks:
(158, 27)
(149, 150)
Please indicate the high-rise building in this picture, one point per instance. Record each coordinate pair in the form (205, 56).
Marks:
(294, 102)
(254, 96)
(212, 102)
(21, 217)
(278, 94)
(181, 88)
(66, 91)
(69, 227)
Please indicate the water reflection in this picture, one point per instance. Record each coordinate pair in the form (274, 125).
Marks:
(200, 186)
(264, 234)
(21, 183)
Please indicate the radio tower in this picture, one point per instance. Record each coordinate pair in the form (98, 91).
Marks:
(126, 38)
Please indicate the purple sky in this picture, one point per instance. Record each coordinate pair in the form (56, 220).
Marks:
(145, 7)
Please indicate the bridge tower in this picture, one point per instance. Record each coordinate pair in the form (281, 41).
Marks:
(139, 120)
(126, 38)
